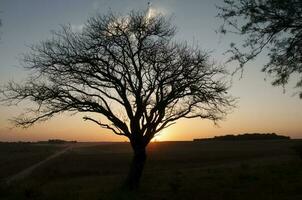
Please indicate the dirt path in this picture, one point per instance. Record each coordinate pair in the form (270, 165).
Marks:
(26, 172)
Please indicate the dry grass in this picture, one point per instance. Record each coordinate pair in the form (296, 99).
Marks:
(174, 170)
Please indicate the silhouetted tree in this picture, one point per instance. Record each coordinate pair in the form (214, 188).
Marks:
(127, 69)
(248, 136)
(274, 26)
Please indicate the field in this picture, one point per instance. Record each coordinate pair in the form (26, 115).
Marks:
(16, 156)
(210, 170)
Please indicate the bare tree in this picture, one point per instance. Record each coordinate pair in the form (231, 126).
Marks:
(127, 69)
(274, 26)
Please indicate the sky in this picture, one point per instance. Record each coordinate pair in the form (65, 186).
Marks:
(260, 106)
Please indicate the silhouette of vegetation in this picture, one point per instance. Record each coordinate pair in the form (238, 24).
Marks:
(128, 69)
(56, 141)
(272, 26)
(248, 136)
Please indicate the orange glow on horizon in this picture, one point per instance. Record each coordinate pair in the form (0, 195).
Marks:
(74, 128)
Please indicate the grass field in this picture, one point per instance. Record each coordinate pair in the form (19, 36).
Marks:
(17, 156)
(210, 170)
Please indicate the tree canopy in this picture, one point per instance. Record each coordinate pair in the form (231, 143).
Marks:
(129, 61)
(126, 68)
(272, 26)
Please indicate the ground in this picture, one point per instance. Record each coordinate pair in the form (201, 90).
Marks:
(211, 170)
(17, 156)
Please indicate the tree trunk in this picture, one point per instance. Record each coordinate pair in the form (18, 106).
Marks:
(136, 168)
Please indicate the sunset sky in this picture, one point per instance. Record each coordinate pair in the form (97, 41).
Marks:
(260, 108)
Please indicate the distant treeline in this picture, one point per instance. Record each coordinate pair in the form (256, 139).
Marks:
(52, 141)
(19, 142)
(56, 141)
(247, 136)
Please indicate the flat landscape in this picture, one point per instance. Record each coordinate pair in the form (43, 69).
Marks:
(210, 170)
(218, 83)
(15, 157)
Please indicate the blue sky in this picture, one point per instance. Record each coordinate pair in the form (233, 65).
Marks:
(260, 108)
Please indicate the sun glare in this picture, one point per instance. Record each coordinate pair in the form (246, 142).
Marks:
(151, 13)
(161, 136)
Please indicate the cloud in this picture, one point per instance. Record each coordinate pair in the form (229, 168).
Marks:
(77, 28)
(156, 10)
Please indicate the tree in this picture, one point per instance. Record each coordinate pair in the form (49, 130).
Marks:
(127, 69)
(274, 26)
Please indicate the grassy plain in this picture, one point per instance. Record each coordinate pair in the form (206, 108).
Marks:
(15, 157)
(210, 170)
